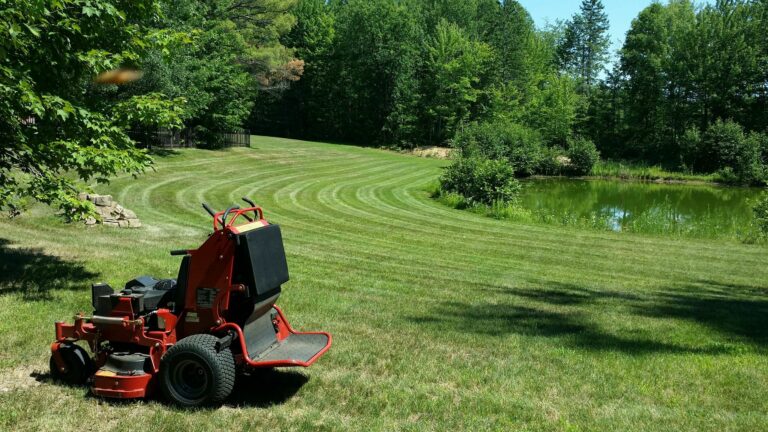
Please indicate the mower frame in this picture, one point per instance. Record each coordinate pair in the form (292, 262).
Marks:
(204, 308)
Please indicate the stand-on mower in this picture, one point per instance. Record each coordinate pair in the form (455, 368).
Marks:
(190, 335)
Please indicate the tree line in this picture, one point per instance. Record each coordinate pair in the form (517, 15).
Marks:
(688, 89)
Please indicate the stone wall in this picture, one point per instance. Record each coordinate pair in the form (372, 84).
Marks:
(110, 213)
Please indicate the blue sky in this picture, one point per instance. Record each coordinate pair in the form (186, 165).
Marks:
(620, 14)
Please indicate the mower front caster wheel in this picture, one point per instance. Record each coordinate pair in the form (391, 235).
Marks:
(193, 373)
(78, 366)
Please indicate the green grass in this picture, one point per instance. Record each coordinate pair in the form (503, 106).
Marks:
(642, 172)
(442, 319)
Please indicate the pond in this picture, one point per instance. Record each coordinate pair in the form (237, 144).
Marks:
(695, 210)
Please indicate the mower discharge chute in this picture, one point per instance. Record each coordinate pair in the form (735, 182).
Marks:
(190, 335)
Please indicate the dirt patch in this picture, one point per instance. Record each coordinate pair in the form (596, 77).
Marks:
(433, 152)
(21, 378)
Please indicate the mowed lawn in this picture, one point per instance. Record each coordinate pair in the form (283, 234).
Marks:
(442, 319)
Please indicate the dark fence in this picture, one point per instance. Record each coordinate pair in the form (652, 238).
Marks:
(165, 138)
(237, 139)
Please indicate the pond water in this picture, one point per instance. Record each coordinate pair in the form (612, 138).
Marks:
(706, 211)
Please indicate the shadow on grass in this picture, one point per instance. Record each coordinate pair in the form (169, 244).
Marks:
(261, 389)
(33, 273)
(163, 152)
(564, 311)
(266, 388)
(733, 310)
(564, 293)
(45, 378)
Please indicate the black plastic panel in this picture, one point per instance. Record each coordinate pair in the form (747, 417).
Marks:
(123, 363)
(141, 282)
(260, 263)
(259, 335)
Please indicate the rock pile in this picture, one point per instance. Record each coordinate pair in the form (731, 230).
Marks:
(111, 213)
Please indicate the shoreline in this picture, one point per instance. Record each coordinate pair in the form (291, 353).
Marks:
(644, 180)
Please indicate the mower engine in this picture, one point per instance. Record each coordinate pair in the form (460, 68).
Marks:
(191, 334)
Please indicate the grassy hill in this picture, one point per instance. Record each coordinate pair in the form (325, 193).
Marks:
(442, 319)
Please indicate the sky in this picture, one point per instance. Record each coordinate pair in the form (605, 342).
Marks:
(620, 14)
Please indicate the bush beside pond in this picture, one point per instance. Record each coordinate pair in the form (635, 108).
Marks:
(481, 180)
(724, 148)
(583, 155)
(525, 149)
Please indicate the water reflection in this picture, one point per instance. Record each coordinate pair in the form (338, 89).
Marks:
(641, 207)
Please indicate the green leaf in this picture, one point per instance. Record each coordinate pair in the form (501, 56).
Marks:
(32, 29)
(90, 11)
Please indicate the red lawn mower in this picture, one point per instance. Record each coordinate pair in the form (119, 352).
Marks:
(190, 335)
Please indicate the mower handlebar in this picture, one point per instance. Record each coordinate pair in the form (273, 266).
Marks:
(223, 219)
(227, 212)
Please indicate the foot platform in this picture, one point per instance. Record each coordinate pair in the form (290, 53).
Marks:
(271, 342)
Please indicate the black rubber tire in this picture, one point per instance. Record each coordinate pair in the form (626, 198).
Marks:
(79, 366)
(193, 373)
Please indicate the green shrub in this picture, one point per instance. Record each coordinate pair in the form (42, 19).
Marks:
(690, 148)
(761, 214)
(726, 175)
(525, 149)
(480, 140)
(724, 145)
(208, 139)
(583, 155)
(481, 180)
(762, 139)
(520, 145)
(552, 162)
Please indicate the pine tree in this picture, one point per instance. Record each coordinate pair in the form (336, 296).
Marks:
(584, 49)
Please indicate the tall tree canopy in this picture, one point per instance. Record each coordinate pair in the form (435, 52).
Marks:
(584, 50)
(413, 72)
(205, 64)
(56, 126)
(684, 69)
(226, 53)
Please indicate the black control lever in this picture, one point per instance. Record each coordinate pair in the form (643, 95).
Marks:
(252, 204)
(212, 213)
(209, 210)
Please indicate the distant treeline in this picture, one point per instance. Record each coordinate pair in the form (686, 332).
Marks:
(408, 73)
(689, 88)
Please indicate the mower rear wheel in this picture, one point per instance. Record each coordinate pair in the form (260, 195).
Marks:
(193, 373)
(78, 366)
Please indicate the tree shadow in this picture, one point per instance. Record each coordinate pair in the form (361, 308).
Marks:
(560, 293)
(33, 273)
(550, 309)
(737, 311)
(572, 328)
